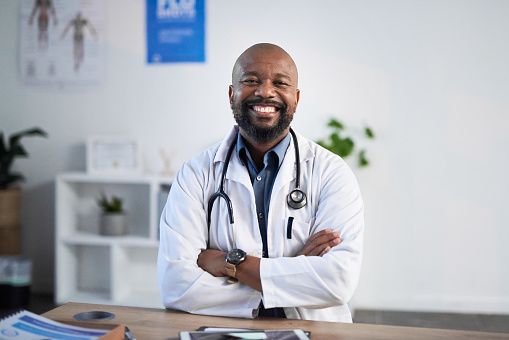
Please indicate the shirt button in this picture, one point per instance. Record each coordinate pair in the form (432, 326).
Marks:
(259, 178)
(260, 215)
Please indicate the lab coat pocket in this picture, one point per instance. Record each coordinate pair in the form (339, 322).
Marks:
(296, 235)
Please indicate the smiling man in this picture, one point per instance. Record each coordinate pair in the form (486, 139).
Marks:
(265, 223)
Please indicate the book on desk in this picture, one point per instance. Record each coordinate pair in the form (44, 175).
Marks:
(27, 325)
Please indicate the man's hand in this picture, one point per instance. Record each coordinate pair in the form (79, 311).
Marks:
(320, 243)
(213, 261)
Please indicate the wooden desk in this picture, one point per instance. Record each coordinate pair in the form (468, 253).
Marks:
(154, 324)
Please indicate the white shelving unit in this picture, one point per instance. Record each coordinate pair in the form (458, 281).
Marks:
(118, 270)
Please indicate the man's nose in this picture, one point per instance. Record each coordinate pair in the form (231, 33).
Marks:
(265, 90)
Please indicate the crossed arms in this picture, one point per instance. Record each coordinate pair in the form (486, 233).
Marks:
(248, 272)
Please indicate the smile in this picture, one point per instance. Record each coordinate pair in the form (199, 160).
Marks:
(264, 109)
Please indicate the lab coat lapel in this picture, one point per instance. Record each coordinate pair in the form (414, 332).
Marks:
(288, 170)
(236, 170)
(225, 144)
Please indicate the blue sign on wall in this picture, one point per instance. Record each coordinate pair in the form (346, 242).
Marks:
(175, 31)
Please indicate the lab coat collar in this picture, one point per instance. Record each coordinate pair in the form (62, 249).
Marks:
(237, 172)
(225, 144)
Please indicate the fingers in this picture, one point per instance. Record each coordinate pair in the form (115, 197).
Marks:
(321, 243)
(212, 261)
(325, 251)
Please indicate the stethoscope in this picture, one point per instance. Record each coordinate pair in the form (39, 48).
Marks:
(296, 199)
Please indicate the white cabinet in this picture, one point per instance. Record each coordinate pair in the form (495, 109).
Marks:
(118, 270)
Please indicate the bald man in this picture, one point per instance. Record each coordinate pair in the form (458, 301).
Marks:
(266, 222)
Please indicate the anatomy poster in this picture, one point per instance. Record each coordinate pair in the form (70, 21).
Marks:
(175, 31)
(61, 42)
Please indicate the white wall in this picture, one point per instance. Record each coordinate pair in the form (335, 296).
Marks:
(430, 77)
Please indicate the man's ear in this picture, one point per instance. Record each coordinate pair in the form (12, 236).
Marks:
(297, 96)
(230, 95)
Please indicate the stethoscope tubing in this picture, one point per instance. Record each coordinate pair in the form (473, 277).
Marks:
(297, 159)
(220, 191)
(221, 194)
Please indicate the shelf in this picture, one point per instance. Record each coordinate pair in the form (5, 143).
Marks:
(94, 268)
(94, 239)
(79, 177)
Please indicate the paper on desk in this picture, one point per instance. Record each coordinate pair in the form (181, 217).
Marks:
(27, 325)
(218, 329)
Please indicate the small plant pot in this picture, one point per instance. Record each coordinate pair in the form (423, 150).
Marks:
(113, 224)
(10, 201)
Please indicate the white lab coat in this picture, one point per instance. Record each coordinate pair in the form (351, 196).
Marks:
(308, 287)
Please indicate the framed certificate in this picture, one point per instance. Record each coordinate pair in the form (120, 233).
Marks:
(113, 155)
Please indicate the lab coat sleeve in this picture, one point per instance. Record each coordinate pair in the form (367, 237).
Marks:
(182, 284)
(330, 280)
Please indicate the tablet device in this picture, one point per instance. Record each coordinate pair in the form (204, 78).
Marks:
(260, 334)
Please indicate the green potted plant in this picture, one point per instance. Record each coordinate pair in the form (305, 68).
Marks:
(344, 146)
(113, 217)
(10, 192)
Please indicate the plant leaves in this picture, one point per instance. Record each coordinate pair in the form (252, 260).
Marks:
(2, 144)
(334, 123)
(9, 152)
(7, 179)
(19, 150)
(335, 138)
(363, 161)
(113, 205)
(14, 139)
(369, 133)
(344, 147)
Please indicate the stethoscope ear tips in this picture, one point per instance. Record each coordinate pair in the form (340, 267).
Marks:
(296, 199)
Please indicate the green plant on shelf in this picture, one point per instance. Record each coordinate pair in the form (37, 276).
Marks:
(110, 205)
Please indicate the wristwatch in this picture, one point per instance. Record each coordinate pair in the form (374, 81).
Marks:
(233, 258)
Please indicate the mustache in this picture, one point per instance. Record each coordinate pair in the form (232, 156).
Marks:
(252, 102)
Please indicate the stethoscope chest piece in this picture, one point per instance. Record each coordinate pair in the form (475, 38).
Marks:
(296, 199)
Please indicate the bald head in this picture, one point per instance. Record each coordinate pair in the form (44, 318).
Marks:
(267, 51)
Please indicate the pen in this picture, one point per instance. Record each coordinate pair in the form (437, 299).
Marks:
(128, 335)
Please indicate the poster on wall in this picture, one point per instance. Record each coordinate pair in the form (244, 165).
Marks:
(61, 42)
(175, 31)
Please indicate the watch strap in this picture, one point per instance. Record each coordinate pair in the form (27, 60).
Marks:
(231, 270)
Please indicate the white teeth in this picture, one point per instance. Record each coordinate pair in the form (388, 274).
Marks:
(264, 109)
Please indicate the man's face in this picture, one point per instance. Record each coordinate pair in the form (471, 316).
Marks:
(264, 94)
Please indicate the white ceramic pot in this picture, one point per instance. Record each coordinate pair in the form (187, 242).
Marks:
(113, 224)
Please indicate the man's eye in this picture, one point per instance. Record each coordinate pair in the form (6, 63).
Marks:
(281, 83)
(249, 81)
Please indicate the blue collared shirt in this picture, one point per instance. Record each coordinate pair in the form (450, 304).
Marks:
(263, 180)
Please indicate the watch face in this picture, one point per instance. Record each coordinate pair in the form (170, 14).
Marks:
(235, 256)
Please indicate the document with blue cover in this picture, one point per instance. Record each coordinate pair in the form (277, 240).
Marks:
(27, 325)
